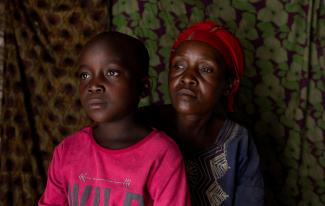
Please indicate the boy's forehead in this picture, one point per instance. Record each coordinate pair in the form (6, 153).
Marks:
(115, 40)
(118, 46)
(100, 44)
(103, 55)
(127, 50)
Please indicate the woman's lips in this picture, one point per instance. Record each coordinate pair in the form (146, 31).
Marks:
(186, 93)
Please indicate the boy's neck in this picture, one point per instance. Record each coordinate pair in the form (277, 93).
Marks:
(120, 134)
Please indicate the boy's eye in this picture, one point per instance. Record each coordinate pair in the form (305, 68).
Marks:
(84, 75)
(113, 73)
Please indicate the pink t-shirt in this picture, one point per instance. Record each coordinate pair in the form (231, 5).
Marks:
(150, 172)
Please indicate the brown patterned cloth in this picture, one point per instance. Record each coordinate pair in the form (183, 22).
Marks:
(1, 51)
(40, 101)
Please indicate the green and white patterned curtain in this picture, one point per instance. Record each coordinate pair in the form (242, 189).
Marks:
(282, 96)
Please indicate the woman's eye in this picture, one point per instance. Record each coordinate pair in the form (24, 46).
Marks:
(113, 73)
(178, 66)
(84, 75)
(206, 69)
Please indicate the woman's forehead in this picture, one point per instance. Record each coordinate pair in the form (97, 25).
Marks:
(198, 48)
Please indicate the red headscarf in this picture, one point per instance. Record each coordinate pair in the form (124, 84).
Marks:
(225, 42)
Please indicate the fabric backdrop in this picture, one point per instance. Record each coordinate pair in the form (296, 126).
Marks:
(40, 102)
(1, 49)
(281, 99)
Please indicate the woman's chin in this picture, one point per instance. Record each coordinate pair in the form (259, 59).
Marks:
(185, 109)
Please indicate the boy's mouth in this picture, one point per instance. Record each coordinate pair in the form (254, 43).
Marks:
(96, 103)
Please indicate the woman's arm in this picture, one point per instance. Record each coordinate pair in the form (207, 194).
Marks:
(250, 185)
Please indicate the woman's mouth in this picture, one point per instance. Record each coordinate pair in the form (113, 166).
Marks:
(186, 93)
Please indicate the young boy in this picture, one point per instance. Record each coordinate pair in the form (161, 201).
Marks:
(117, 161)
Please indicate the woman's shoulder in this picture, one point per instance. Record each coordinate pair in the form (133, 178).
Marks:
(238, 138)
(233, 134)
(231, 130)
(235, 130)
(156, 115)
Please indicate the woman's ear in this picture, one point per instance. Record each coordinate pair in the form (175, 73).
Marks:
(228, 88)
(231, 87)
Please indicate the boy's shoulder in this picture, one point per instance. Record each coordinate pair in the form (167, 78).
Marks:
(161, 139)
(156, 140)
(84, 132)
(158, 143)
(77, 138)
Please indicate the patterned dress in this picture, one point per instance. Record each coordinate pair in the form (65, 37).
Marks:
(227, 173)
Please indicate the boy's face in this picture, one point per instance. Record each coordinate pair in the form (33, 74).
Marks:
(196, 79)
(107, 87)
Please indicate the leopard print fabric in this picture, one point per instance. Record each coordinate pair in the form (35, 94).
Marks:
(40, 100)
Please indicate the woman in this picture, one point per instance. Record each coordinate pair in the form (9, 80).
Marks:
(206, 65)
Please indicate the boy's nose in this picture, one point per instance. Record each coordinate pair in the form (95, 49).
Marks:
(96, 89)
(95, 86)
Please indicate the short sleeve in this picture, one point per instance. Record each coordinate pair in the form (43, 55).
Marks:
(55, 192)
(167, 184)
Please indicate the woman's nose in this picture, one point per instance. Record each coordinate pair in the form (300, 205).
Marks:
(189, 77)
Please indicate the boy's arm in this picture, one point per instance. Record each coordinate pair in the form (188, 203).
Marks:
(167, 184)
(55, 192)
(250, 186)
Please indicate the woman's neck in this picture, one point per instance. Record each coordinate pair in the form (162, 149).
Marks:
(192, 126)
(196, 133)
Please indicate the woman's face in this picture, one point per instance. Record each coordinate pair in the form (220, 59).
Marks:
(196, 78)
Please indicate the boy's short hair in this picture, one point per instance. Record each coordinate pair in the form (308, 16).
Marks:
(125, 44)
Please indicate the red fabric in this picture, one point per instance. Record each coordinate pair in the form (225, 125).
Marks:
(150, 172)
(225, 42)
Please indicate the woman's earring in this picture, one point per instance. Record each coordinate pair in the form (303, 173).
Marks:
(228, 89)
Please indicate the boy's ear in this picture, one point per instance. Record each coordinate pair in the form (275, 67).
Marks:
(146, 85)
